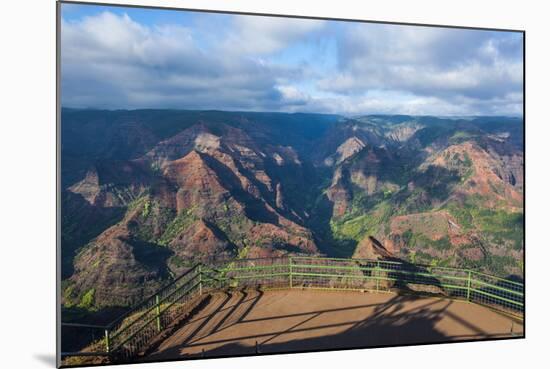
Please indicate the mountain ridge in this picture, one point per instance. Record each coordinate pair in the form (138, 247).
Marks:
(186, 185)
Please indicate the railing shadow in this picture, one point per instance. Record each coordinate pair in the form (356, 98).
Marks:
(407, 274)
(392, 322)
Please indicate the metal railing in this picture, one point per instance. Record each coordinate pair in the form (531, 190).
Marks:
(374, 276)
(134, 331)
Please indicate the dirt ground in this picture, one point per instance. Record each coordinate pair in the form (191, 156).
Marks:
(246, 322)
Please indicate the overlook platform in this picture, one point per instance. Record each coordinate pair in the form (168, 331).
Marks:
(249, 321)
(300, 303)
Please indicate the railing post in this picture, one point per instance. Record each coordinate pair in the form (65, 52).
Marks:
(290, 272)
(157, 302)
(377, 272)
(200, 279)
(107, 341)
(469, 285)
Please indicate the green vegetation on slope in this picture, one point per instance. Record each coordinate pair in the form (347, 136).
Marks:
(178, 225)
(357, 228)
(87, 300)
(497, 226)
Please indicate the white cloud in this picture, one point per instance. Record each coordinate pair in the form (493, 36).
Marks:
(111, 61)
(293, 96)
(253, 63)
(266, 35)
(439, 65)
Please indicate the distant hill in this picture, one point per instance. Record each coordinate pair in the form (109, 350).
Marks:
(147, 193)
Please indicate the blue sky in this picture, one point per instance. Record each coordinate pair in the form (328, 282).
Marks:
(127, 58)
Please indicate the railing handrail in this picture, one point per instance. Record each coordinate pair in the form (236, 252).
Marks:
(499, 278)
(394, 262)
(82, 325)
(81, 353)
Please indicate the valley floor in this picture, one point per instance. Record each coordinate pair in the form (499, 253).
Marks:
(247, 322)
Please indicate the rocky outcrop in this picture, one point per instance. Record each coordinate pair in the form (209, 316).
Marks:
(403, 132)
(113, 183)
(339, 193)
(370, 248)
(483, 173)
(346, 150)
(115, 269)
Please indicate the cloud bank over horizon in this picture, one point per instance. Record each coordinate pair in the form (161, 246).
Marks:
(128, 58)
